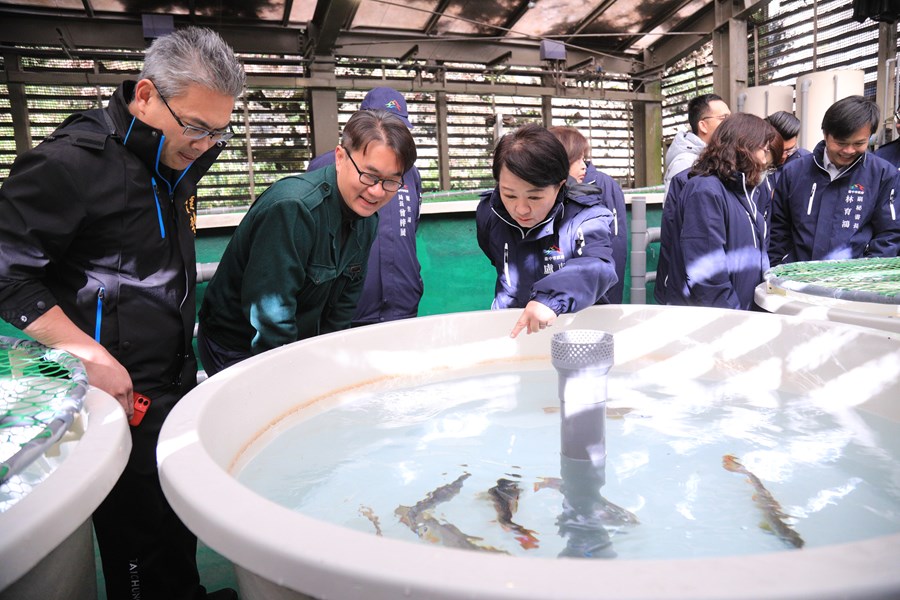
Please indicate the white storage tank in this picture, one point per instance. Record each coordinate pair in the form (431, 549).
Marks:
(763, 100)
(816, 92)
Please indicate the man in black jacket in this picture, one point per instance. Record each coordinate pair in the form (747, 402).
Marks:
(97, 258)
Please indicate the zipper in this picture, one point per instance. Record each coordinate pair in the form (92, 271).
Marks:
(752, 230)
(162, 227)
(616, 221)
(506, 263)
(812, 195)
(101, 294)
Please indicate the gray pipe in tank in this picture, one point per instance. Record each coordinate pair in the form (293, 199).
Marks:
(582, 358)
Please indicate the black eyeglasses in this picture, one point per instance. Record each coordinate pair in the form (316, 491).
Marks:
(369, 179)
(197, 133)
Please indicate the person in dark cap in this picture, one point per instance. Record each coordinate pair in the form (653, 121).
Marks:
(385, 98)
(393, 286)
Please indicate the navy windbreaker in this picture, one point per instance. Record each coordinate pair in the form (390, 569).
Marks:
(393, 286)
(564, 262)
(854, 216)
(668, 232)
(715, 244)
(612, 197)
(890, 152)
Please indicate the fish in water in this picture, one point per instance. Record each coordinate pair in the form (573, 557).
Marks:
(554, 483)
(609, 513)
(368, 513)
(447, 534)
(409, 514)
(771, 509)
(420, 520)
(505, 496)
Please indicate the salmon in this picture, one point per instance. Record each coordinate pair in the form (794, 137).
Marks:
(420, 520)
(505, 497)
(773, 517)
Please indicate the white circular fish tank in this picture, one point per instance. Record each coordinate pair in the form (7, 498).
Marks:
(859, 291)
(47, 544)
(421, 459)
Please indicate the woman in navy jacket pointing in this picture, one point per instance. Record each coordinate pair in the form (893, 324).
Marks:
(552, 253)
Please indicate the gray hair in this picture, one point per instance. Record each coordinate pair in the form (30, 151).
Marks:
(193, 55)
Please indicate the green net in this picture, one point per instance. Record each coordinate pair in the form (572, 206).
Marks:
(41, 392)
(861, 279)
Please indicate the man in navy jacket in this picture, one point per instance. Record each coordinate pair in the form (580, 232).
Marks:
(839, 202)
(891, 151)
(393, 286)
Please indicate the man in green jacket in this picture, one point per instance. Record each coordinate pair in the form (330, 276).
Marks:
(296, 264)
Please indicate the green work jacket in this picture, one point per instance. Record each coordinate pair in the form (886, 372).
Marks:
(285, 276)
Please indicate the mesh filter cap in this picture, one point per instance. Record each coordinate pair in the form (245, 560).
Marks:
(582, 349)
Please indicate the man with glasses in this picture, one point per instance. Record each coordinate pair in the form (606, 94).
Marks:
(840, 201)
(97, 259)
(393, 286)
(788, 127)
(891, 151)
(296, 264)
(705, 114)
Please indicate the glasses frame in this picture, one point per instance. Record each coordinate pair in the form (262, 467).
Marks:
(719, 117)
(193, 132)
(375, 179)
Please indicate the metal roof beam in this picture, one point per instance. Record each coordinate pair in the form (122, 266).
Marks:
(524, 53)
(128, 33)
(328, 20)
(673, 47)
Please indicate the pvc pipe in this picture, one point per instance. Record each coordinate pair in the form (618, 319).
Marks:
(582, 358)
(804, 109)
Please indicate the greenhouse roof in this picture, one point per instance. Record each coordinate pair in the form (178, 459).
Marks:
(604, 35)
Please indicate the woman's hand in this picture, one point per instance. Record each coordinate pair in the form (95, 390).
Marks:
(534, 318)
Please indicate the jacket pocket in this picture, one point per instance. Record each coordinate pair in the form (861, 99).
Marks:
(321, 274)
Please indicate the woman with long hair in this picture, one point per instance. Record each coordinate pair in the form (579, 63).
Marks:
(717, 245)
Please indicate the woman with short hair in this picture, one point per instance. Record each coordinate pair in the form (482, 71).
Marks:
(552, 253)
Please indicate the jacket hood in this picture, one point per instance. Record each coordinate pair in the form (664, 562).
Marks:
(586, 194)
(684, 142)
